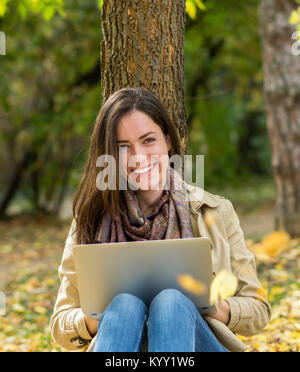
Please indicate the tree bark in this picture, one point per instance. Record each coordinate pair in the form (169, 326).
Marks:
(282, 101)
(142, 46)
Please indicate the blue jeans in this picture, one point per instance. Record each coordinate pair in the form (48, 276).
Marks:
(172, 324)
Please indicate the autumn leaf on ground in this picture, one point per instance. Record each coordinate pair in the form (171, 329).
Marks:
(31, 252)
(271, 246)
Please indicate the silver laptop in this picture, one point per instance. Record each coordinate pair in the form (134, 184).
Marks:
(141, 268)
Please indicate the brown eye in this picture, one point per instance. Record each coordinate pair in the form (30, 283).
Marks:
(148, 140)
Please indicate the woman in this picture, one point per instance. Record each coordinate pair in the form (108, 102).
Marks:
(135, 129)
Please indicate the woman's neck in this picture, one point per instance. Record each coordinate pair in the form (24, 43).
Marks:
(148, 199)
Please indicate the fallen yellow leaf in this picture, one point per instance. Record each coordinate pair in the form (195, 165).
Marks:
(284, 348)
(224, 285)
(18, 308)
(40, 310)
(295, 335)
(295, 311)
(275, 243)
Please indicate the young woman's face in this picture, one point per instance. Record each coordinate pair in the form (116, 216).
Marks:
(144, 151)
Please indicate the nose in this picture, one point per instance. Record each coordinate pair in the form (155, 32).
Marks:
(137, 156)
(137, 150)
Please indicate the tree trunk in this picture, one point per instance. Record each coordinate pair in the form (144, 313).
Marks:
(14, 183)
(282, 101)
(143, 47)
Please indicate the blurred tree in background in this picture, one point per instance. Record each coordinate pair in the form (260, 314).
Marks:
(224, 92)
(50, 93)
(282, 98)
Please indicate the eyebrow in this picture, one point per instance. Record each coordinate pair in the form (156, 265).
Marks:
(143, 136)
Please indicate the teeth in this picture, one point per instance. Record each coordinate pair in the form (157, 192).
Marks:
(143, 170)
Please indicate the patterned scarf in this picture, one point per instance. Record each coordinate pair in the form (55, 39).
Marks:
(170, 219)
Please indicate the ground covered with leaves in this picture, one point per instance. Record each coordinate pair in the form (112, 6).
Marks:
(278, 259)
(31, 251)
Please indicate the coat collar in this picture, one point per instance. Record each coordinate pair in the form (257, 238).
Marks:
(198, 197)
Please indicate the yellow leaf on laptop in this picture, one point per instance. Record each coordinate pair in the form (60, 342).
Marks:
(224, 285)
(191, 284)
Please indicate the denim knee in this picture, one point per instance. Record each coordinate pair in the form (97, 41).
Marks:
(170, 298)
(128, 302)
(168, 295)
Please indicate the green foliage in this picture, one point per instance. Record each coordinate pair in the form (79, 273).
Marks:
(47, 109)
(50, 94)
(47, 8)
(223, 90)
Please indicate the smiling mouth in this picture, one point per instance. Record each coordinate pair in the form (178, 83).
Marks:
(144, 170)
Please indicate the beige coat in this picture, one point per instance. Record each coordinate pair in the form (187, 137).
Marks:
(213, 216)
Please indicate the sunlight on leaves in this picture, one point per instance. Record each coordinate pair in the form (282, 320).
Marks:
(3, 7)
(295, 17)
(191, 7)
(48, 8)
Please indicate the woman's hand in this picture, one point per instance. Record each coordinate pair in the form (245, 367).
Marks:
(223, 312)
(92, 325)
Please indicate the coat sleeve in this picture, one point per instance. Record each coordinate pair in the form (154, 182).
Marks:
(67, 324)
(250, 310)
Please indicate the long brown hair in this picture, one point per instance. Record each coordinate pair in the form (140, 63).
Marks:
(90, 204)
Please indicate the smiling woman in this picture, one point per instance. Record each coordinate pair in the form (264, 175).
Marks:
(134, 128)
